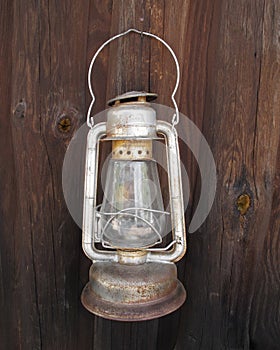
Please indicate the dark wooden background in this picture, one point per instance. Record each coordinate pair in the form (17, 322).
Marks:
(229, 53)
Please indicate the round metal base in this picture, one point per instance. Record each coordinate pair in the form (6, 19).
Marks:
(133, 292)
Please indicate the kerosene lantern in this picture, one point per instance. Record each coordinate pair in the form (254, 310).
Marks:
(133, 276)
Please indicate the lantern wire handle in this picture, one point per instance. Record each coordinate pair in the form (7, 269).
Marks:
(175, 119)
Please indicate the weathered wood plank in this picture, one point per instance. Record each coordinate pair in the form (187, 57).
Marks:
(240, 121)
(63, 60)
(27, 145)
(265, 310)
(128, 64)
(47, 259)
(7, 186)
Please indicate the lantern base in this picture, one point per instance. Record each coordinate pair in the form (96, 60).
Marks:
(133, 292)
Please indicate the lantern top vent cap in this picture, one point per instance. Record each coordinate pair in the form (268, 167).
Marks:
(133, 96)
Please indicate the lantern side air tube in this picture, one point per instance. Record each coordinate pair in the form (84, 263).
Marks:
(89, 197)
(176, 199)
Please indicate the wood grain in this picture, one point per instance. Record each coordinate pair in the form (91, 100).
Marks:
(8, 322)
(227, 249)
(229, 54)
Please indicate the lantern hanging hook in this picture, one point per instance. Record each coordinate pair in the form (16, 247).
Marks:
(175, 118)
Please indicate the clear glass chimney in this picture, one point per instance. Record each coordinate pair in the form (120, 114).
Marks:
(132, 211)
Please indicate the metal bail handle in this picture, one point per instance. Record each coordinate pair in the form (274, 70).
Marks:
(175, 119)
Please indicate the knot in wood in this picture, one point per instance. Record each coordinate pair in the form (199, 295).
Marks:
(20, 109)
(64, 124)
(243, 203)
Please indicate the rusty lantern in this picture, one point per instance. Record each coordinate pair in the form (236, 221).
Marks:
(133, 276)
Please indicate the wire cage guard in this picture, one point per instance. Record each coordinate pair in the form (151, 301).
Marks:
(90, 233)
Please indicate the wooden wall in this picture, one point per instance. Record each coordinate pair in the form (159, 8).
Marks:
(229, 53)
